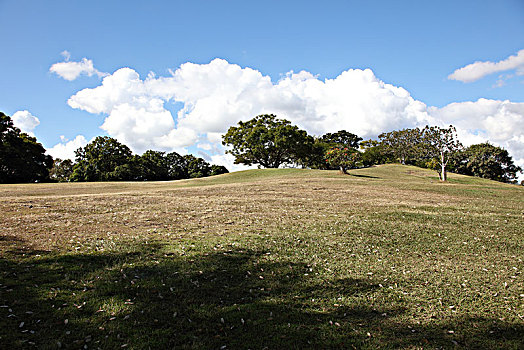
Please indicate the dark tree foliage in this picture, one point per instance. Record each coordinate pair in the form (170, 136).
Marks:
(304, 150)
(105, 159)
(218, 170)
(99, 159)
(62, 170)
(197, 167)
(154, 166)
(267, 141)
(176, 166)
(404, 144)
(375, 153)
(487, 161)
(22, 158)
(133, 170)
(342, 139)
(315, 156)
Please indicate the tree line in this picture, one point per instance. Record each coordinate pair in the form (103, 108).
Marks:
(266, 141)
(23, 159)
(271, 142)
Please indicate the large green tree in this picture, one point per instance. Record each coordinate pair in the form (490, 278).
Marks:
(267, 141)
(341, 138)
(315, 156)
(402, 144)
(197, 167)
(487, 161)
(375, 153)
(132, 170)
(22, 158)
(99, 159)
(154, 166)
(218, 170)
(176, 166)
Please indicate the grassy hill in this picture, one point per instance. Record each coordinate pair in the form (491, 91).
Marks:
(388, 257)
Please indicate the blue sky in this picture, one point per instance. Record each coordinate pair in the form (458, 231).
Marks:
(412, 45)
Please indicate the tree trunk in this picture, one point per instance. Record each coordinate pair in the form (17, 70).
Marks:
(444, 175)
(343, 170)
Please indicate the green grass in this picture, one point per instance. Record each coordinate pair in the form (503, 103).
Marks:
(386, 258)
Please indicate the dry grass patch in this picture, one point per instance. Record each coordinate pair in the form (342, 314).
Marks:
(387, 257)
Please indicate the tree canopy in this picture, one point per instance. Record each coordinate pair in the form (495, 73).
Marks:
(341, 138)
(99, 159)
(106, 159)
(62, 170)
(315, 156)
(402, 144)
(343, 158)
(487, 161)
(267, 141)
(264, 140)
(22, 158)
(438, 145)
(430, 147)
(374, 152)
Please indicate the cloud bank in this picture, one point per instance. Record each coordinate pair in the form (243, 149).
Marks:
(25, 121)
(475, 71)
(197, 103)
(217, 95)
(500, 122)
(66, 149)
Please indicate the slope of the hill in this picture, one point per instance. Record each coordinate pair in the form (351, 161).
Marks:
(388, 257)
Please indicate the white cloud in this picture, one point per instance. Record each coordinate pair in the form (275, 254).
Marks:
(500, 122)
(206, 146)
(66, 55)
(217, 95)
(140, 125)
(25, 121)
(228, 161)
(66, 149)
(72, 70)
(475, 71)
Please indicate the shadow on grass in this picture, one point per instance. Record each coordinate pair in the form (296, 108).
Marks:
(9, 240)
(364, 176)
(148, 296)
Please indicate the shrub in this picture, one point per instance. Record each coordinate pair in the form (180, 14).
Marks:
(343, 158)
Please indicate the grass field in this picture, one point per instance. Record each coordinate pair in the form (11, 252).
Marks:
(388, 257)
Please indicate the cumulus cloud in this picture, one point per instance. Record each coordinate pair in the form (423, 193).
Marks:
(500, 122)
(228, 161)
(217, 95)
(70, 70)
(25, 121)
(474, 71)
(66, 149)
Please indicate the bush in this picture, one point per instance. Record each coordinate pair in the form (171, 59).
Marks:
(343, 158)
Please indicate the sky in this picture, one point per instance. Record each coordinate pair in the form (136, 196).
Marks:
(175, 75)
